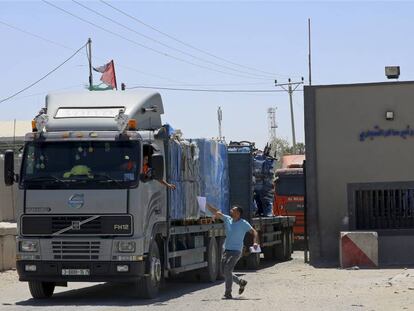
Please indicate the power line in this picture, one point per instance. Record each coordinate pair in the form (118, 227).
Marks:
(45, 92)
(143, 45)
(185, 43)
(35, 35)
(203, 90)
(207, 84)
(167, 45)
(69, 48)
(43, 77)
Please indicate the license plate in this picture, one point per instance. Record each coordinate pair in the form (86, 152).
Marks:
(75, 272)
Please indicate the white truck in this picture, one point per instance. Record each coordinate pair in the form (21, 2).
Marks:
(88, 213)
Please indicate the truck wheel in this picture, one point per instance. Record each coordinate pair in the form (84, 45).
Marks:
(268, 252)
(148, 286)
(209, 273)
(280, 249)
(220, 245)
(289, 246)
(41, 290)
(253, 261)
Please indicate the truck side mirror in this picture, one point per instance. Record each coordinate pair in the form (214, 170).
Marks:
(9, 167)
(157, 164)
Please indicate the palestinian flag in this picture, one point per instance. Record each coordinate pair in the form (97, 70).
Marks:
(108, 74)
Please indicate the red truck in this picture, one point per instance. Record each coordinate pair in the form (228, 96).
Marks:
(290, 192)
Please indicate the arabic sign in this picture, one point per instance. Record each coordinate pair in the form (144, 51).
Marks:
(377, 132)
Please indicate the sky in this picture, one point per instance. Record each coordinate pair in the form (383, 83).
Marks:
(253, 43)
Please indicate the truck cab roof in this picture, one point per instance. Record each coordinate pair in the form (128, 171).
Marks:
(96, 110)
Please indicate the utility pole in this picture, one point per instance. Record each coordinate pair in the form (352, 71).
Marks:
(292, 118)
(219, 118)
(90, 63)
(291, 87)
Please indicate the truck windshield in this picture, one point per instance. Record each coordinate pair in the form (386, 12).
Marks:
(289, 185)
(80, 164)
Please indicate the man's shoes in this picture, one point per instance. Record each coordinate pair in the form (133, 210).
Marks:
(227, 296)
(243, 284)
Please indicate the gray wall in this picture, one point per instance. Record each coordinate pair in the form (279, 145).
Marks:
(9, 196)
(334, 118)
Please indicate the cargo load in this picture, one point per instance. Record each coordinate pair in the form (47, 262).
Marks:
(214, 173)
(183, 170)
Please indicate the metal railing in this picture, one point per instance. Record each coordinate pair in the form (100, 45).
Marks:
(382, 209)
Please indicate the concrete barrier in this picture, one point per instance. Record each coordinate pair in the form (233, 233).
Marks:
(359, 249)
(8, 232)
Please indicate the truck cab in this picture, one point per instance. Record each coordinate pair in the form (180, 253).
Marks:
(290, 192)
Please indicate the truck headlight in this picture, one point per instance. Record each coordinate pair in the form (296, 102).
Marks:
(126, 246)
(28, 246)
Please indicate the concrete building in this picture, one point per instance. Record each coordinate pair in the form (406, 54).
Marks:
(360, 167)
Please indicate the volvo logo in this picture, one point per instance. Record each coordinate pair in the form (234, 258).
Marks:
(76, 225)
(76, 200)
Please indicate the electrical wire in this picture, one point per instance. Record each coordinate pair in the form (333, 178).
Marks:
(208, 84)
(185, 43)
(35, 35)
(54, 90)
(143, 45)
(167, 45)
(204, 90)
(71, 49)
(44, 76)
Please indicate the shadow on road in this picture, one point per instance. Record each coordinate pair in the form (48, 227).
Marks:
(116, 294)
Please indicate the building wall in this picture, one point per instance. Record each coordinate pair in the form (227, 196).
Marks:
(9, 196)
(335, 116)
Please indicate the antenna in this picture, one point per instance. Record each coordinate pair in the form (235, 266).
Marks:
(271, 120)
(219, 119)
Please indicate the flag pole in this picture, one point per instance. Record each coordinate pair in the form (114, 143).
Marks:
(90, 63)
(113, 66)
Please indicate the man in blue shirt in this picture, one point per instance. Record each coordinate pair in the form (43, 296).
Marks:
(236, 229)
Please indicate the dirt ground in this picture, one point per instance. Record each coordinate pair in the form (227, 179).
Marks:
(291, 285)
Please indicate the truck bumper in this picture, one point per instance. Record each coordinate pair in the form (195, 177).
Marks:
(99, 271)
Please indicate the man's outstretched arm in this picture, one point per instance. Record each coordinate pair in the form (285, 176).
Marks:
(216, 212)
(255, 238)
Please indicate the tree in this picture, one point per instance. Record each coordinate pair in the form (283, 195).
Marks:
(281, 147)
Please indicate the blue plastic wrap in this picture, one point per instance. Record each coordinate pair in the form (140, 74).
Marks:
(183, 166)
(214, 173)
(197, 168)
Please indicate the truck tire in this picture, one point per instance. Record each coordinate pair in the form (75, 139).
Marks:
(220, 245)
(269, 252)
(253, 261)
(209, 273)
(148, 286)
(41, 290)
(280, 249)
(289, 246)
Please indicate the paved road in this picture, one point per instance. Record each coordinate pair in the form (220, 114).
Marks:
(277, 286)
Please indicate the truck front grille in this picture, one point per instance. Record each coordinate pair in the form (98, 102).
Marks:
(76, 250)
(62, 222)
(76, 225)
